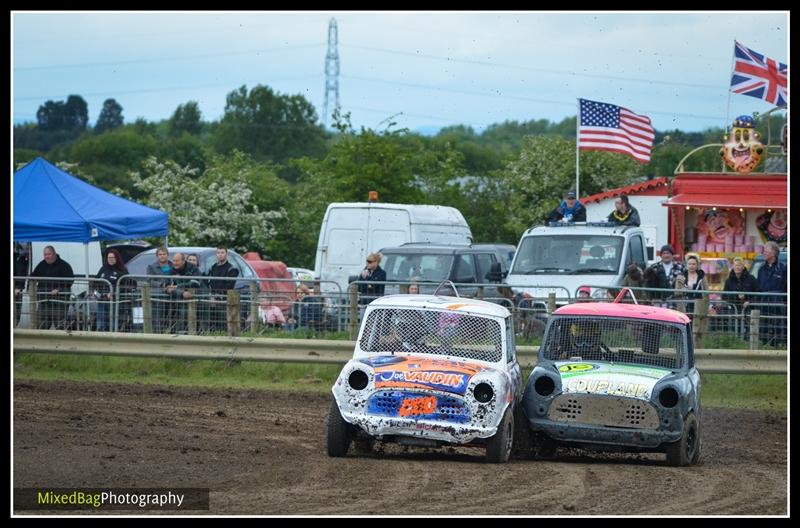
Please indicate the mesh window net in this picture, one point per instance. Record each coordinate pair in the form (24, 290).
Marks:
(445, 333)
(637, 342)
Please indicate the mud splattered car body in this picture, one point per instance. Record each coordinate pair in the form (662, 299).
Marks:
(429, 371)
(616, 377)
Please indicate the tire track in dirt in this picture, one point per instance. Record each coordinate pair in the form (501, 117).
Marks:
(264, 452)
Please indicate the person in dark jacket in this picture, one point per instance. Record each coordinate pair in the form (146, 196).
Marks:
(772, 278)
(55, 294)
(371, 273)
(216, 316)
(664, 274)
(740, 282)
(624, 213)
(569, 210)
(183, 289)
(694, 280)
(111, 271)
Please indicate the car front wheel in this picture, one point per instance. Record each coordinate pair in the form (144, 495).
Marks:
(686, 451)
(339, 436)
(498, 449)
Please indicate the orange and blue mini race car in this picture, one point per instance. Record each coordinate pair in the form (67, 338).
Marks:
(429, 371)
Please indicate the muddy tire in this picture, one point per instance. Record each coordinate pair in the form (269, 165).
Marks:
(523, 441)
(686, 451)
(498, 448)
(363, 444)
(339, 435)
(544, 447)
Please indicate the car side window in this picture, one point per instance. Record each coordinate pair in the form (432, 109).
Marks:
(464, 269)
(510, 338)
(484, 261)
(637, 251)
(241, 265)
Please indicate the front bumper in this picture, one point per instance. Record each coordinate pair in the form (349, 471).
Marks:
(605, 421)
(378, 426)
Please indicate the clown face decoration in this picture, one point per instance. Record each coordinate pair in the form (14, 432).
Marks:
(742, 151)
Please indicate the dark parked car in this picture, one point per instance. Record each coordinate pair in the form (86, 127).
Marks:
(128, 250)
(430, 264)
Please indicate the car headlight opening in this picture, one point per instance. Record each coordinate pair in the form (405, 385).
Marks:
(544, 386)
(358, 379)
(668, 397)
(483, 392)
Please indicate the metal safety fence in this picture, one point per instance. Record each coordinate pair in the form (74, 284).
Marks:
(202, 305)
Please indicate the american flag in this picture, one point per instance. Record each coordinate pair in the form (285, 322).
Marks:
(606, 126)
(759, 76)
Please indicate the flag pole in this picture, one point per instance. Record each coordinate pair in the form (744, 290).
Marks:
(577, 152)
(728, 110)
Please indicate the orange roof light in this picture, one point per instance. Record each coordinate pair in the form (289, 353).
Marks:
(373, 196)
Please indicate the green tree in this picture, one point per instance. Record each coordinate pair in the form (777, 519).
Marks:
(269, 126)
(110, 116)
(186, 118)
(215, 208)
(72, 115)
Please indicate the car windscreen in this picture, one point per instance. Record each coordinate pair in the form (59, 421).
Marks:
(445, 333)
(621, 340)
(569, 254)
(416, 267)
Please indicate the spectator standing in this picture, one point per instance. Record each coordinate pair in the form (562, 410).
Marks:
(161, 308)
(584, 294)
(772, 278)
(182, 290)
(739, 283)
(111, 271)
(224, 278)
(624, 213)
(695, 281)
(634, 278)
(569, 210)
(53, 294)
(666, 271)
(371, 278)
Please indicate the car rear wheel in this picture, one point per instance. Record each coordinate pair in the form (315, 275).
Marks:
(339, 436)
(498, 449)
(686, 451)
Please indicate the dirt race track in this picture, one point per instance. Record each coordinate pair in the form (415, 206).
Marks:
(263, 452)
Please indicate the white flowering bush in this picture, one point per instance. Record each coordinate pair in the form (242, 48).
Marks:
(214, 208)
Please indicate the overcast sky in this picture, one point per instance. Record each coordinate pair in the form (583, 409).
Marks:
(433, 69)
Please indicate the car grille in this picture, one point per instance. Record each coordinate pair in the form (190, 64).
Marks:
(402, 404)
(611, 411)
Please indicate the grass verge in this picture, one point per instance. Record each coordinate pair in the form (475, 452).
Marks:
(741, 391)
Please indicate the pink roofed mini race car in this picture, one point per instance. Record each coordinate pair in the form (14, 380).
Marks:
(615, 376)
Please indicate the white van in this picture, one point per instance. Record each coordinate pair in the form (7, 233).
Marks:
(351, 231)
(561, 258)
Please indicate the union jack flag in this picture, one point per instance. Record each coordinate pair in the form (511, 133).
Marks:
(759, 76)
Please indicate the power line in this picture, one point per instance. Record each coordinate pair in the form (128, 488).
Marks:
(526, 68)
(165, 59)
(167, 89)
(506, 96)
